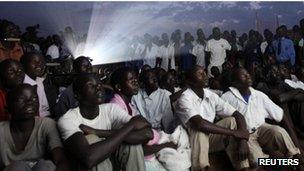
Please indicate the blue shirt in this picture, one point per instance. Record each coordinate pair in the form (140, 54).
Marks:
(287, 50)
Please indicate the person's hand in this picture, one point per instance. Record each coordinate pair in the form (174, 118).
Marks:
(243, 150)
(86, 129)
(139, 122)
(241, 134)
(170, 145)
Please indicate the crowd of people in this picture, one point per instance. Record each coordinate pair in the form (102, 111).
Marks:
(181, 100)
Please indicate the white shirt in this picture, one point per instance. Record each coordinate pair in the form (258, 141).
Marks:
(217, 48)
(166, 54)
(151, 54)
(43, 102)
(295, 84)
(258, 108)
(53, 51)
(111, 116)
(156, 107)
(301, 42)
(199, 51)
(263, 46)
(189, 105)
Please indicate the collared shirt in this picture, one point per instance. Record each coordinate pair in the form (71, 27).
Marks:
(190, 104)
(287, 50)
(217, 49)
(151, 54)
(43, 102)
(295, 84)
(156, 107)
(199, 51)
(256, 110)
(166, 54)
(117, 99)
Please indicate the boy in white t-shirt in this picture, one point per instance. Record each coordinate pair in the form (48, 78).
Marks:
(118, 129)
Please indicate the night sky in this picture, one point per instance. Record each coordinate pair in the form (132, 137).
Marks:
(152, 17)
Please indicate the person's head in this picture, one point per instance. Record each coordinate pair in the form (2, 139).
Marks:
(149, 80)
(216, 33)
(34, 64)
(284, 71)
(188, 37)
(215, 71)
(88, 90)
(240, 78)
(57, 40)
(233, 33)
(165, 39)
(168, 81)
(156, 40)
(125, 81)
(196, 77)
(147, 38)
(282, 31)
(22, 102)
(145, 67)
(302, 25)
(82, 64)
(268, 35)
(200, 34)
(11, 73)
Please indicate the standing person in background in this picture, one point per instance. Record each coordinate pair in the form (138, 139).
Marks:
(151, 51)
(187, 58)
(167, 53)
(283, 46)
(217, 47)
(53, 52)
(199, 48)
(176, 42)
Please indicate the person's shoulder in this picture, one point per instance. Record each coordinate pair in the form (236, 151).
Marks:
(164, 91)
(209, 93)
(227, 95)
(69, 115)
(258, 93)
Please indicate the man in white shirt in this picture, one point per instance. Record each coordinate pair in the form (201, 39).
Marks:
(153, 103)
(167, 53)
(199, 48)
(255, 106)
(107, 127)
(217, 47)
(151, 52)
(197, 108)
(53, 50)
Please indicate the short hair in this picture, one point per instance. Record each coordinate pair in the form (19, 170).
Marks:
(3, 65)
(12, 95)
(234, 73)
(118, 75)
(80, 81)
(25, 57)
(78, 61)
(189, 73)
(143, 75)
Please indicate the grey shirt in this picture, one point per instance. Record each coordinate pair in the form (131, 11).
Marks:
(43, 138)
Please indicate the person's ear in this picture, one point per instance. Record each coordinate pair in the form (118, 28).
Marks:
(118, 87)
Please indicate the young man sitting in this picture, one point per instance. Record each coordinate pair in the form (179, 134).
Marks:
(197, 108)
(255, 106)
(116, 129)
(27, 139)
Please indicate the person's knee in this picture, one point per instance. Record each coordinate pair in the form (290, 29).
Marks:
(231, 122)
(278, 131)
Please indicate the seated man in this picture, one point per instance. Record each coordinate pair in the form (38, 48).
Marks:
(26, 139)
(255, 106)
(66, 100)
(153, 103)
(118, 128)
(197, 108)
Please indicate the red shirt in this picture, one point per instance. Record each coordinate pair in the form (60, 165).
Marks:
(4, 115)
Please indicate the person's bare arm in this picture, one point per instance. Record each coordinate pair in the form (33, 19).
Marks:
(202, 125)
(149, 150)
(135, 137)
(59, 159)
(91, 155)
